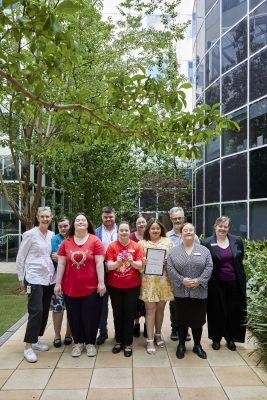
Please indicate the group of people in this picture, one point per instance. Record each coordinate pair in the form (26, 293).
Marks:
(79, 268)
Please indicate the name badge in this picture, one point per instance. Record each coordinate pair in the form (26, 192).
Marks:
(214, 244)
(197, 254)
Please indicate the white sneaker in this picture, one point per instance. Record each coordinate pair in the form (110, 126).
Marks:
(91, 350)
(77, 350)
(40, 346)
(30, 355)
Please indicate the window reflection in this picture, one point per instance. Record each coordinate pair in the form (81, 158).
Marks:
(211, 214)
(234, 46)
(258, 123)
(199, 186)
(200, 45)
(234, 141)
(258, 218)
(213, 64)
(200, 9)
(234, 178)
(253, 3)
(199, 220)
(200, 79)
(208, 5)
(234, 88)
(258, 173)
(212, 94)
(258, 28)
(232, 11)
(212, 26)
(213, 149)
(258, 75)
(212, 183)
(237, 212)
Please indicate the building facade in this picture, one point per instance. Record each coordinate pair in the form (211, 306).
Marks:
(230, 67)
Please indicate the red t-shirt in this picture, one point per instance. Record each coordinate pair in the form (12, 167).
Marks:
(80, 277)
(126, 276)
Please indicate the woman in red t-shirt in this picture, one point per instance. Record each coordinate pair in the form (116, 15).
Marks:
(124, 260)
(80, 275)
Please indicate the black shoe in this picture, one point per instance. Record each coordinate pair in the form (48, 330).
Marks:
(188, 337)
(67, 340)
(127, 351)
(117, 348)
(102, 337)
(136, 330)
(180, 351)
(216, 345)
(174, 335)
(199, 351)
(145, 332)
(231, 345)
(57, 342)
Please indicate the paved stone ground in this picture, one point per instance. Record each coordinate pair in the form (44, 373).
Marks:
(56, 375)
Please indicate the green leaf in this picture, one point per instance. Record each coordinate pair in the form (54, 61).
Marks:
(6, 3)
(68, 7)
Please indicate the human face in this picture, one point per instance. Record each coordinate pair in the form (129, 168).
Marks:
(108, 220)
(154, 231)
(44, 218)
(124, 232)
(188, 232)
(80, 223)
(141, 225)
(222, 230)
(63, 227)
(177, 219)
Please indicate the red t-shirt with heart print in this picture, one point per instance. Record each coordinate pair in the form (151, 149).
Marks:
(80, 277)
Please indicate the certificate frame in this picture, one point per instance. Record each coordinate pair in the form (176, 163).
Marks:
(155, 259)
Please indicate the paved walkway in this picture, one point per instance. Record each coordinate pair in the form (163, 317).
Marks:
(56, 375)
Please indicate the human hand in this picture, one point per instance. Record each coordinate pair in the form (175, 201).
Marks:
(130, 258)
(189, 282)
(54, 257)
(101, 289)
(57, 289)
(22, 286)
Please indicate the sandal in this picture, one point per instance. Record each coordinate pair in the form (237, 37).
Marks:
(67, 340)
(127, 351)
(117, 348)
(158, 340)
(150, 348)
(57, 342)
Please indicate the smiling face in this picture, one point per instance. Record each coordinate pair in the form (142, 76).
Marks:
(154, 231)
(177, 219)
(63, 227)
(44, 218)
(221, 229)
(80, 223)
(108, 220)
(188, 233)
(141, 225)
(124, 232)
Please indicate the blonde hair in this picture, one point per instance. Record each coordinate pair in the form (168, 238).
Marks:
(221, 220)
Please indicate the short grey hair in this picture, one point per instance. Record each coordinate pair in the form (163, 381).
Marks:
(175, 210)
(45, 208)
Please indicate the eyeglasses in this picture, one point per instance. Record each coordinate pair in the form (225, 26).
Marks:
(177, 219)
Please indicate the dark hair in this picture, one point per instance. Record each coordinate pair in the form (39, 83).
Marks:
(108, 210)
(123, 222)
(90, 228)
(150, 223)
(64, 218)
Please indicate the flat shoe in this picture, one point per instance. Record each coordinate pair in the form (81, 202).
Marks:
(180, 351)
(231, 345)
(57, 342)
(199, 351)
(216, 345)
(67, 340)
(128, 351)
(117, 348)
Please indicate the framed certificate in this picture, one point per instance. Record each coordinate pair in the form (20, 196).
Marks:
(155, 259)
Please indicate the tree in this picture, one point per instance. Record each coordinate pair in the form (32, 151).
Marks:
(69, 78)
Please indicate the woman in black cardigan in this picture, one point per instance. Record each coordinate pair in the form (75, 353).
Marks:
(226, 307)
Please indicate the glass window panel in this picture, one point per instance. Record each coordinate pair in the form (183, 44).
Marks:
(258, 28)
(212, 64)
(208, 5)
(258, 173)
(258, 123)
(9, 170)
(200, 10)
(199, 161)
(234, 88)
(253, 3)
(212, 183)
(212, 94)
(148, 200)
(200, 79)
(200, 46)
(213, 149)
(238, 214)
(234, 178)
(212, 26)
(199, 186)
(258, 220)
(232, 11)
(211, 214)
(199, 220)
(234, 141)
(258, 75)
(234, 46)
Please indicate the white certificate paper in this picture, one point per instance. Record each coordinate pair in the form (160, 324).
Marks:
(155, 259)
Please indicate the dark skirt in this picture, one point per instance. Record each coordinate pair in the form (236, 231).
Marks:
(190, 312)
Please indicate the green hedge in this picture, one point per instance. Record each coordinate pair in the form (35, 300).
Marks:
(256, 269)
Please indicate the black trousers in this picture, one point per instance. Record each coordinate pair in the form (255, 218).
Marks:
(196, 333)
(84, 315)
(173, 315)
(124, 303)
(38, 308)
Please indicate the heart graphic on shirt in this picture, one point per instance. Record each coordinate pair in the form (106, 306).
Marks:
(78, 258)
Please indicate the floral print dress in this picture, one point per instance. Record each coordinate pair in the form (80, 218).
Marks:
(155, 288)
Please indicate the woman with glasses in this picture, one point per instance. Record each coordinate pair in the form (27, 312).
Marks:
(36, 274)
(189, 270)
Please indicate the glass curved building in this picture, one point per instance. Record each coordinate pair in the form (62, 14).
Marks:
(230, 67)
